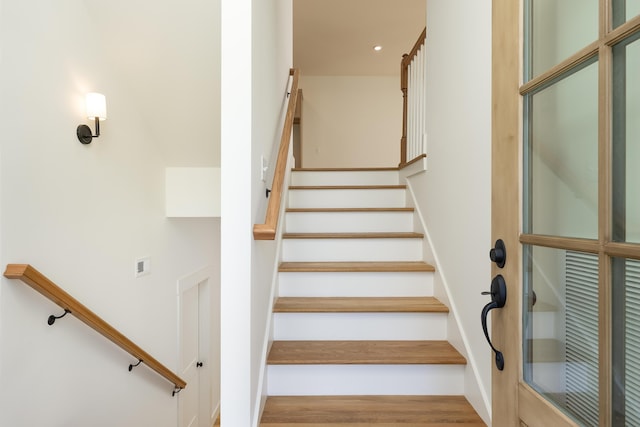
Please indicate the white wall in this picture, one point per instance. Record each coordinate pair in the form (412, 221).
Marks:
(272, 53)
(351, 121)
(82, 215)
(454, 194)
(2, 62)
(256, 58)
(168, 58)
(236, 239)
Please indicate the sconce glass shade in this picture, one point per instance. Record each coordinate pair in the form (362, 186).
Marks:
(96, 106)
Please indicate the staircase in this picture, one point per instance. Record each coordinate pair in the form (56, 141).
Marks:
(359, 340)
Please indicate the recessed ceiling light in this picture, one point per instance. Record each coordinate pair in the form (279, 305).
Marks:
(377, 48)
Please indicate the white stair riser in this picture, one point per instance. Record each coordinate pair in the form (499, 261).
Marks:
(374, 198)
(345, 178)
(345, 222)
(356, 284)
(317, 380)
(335, 250)
(360, 326)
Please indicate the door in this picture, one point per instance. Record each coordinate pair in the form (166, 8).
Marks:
(566, 202)
(194, 402)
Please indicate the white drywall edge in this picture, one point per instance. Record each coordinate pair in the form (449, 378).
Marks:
(192, 192)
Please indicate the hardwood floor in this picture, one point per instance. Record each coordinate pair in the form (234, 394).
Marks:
(361, 411)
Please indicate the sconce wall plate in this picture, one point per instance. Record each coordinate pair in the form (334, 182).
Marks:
(84, 133)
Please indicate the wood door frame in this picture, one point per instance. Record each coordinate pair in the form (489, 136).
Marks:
(505, 150)
(513, 400)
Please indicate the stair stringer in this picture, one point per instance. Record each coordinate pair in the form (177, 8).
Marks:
(261, 389)
(474, 391)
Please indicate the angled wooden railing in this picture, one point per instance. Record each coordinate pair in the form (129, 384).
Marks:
(409, 155)
(267, 231)
(46, 287)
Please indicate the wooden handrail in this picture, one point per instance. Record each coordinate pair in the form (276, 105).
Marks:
(267, 231)
(46, 287)
(404, 86)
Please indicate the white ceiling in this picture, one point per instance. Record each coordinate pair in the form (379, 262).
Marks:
(336, 37)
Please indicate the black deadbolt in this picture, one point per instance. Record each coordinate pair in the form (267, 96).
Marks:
(499, 253)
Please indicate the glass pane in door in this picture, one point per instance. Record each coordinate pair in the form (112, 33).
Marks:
(556, 30)
(561, 329)
(626, 342)
(624, 10)
(561, 157)
(626, 140)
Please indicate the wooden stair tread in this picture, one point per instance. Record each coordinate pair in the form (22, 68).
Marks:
(348, 187)
(408, 266)
(364, 353)
(350, 209)
(359, 305)
(344, 169)
(361, 411)
(367, 235)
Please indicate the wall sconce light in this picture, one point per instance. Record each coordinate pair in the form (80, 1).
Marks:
(97, 110)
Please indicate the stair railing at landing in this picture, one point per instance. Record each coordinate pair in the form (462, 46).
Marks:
(413, 85)
(32, 277)
(267, 231)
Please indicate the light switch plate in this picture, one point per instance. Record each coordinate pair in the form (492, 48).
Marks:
(264, 167)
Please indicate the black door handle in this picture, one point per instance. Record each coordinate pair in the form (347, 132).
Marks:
(498, 299)
(199, 364)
